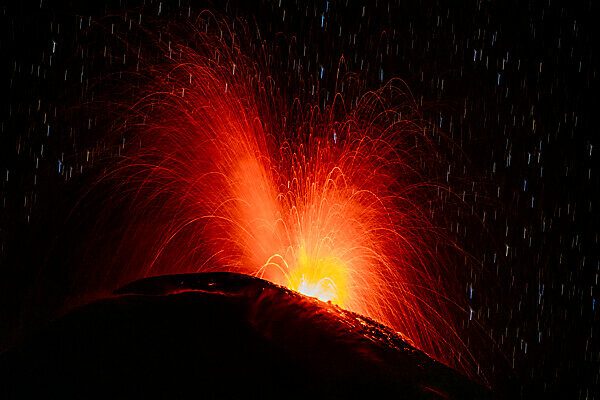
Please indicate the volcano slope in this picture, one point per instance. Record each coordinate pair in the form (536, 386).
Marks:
(221, 335)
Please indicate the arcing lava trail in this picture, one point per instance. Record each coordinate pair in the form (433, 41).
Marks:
(221, 170)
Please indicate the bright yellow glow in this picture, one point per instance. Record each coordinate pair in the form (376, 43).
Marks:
(323, 278)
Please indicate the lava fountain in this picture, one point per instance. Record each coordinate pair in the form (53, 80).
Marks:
(221, 171)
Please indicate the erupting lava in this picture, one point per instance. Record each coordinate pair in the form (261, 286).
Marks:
(221, 172)
(322, 278)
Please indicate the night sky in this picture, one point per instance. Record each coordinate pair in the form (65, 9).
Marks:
(509, 85)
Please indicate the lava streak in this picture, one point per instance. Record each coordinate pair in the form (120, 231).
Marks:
(222, 171)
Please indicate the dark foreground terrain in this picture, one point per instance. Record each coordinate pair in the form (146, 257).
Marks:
(221, 335)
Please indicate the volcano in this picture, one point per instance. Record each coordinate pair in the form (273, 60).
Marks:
(222, 335)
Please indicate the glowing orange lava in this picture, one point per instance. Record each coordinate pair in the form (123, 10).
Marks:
(323, 278)
(329, 202)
